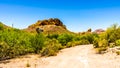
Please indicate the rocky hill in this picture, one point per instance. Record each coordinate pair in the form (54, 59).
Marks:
(52, 25)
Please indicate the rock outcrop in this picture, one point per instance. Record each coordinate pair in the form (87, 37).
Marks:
(51, 21)
(52, 25)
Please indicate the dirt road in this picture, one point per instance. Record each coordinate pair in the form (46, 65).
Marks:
(82, 56)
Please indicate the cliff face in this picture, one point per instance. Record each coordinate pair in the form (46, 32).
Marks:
(52, 25)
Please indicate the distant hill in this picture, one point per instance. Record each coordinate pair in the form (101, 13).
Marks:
(52, 25)
(98, 31)
(3, 26)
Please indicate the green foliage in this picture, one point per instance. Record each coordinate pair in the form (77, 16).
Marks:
(52, 36)
(14, 42)
(110, 38)
(101, 50)
(73, 43)
(88, 37)
(100, 44)
(117, 42)
(95, 43)
(65, 38)
(1, 26)
(84, 42)
(103, 43)
(37, 42)
(4, 50)
(111, 45)
(51, 48)
(113, 33)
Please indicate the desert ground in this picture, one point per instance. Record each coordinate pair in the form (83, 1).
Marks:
(82, 56)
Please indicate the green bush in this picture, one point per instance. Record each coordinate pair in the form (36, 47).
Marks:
(13, 43)
(51, 36)
(4, 50)
(101, 50)
(117, 42)
(111, 45)
(100, 45)
(37, 42)
(51, 48)
(113, 33)
(73, 43)
(103, 43)
(84, 42)
(89, 37)
(1, 26)
(65, 38)
(95, 43)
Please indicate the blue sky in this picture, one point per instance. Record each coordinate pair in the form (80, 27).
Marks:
(77, 15)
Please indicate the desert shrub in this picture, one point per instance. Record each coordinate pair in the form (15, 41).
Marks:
(117, 42)
(100, 41)
(103, 43)
(51, 48)
(101, 50)
(111, 45)
(77, 38)
(95, 43)
(118, 52)
(84, 42)
(65, 38)
(14, 43)
(90, 38)
(110, 38)
(51, 36)
(100, 45)
(4, 50)
(37, 42)
(113, 33)
(1, 26)
(73, 43)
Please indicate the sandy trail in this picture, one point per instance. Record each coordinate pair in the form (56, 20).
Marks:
(82, 56)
